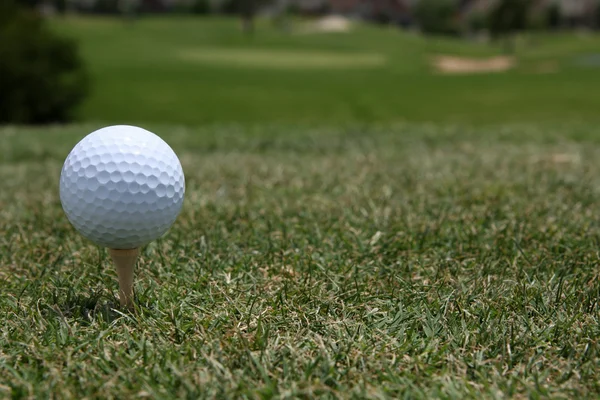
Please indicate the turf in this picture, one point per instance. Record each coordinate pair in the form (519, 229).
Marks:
(407, 260)
(190, 71)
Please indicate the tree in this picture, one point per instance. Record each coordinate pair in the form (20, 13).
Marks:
(42, 78)
(247, 10)
(281, 17)
(508, 18)
(437, 17)
(553, 17)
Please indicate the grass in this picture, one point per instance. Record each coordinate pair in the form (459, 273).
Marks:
(190, 71)
(295, 60)
(406, 260)
(359, 227)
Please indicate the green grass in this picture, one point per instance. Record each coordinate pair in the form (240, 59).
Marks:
(194, 71)
(410, 260)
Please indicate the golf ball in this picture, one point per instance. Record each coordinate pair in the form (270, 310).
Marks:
(122, 187)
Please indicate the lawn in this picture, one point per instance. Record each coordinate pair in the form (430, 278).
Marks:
(355, 225)
(193, 71)
(405, 260)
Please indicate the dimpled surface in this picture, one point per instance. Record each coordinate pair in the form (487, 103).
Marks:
(122, 187)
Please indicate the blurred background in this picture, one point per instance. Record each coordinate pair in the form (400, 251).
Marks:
(194, 62)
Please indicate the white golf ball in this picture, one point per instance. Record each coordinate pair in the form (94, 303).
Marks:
(122, 187)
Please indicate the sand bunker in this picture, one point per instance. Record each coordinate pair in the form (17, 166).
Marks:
(333, 23)
(329, 24)
(463, 65)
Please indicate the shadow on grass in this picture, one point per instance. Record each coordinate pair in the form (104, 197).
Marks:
(85, 308)
(93, 307)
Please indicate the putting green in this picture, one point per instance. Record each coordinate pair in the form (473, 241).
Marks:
(283, 59)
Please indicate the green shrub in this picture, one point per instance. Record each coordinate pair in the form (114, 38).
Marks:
(437, 17)
(27, 3)
(61, 6)
(537, 21)
(41, 75)
(106, 7)
(477, 22)
(553, 16)
(200, 7)
(508, 17)
(229, 7)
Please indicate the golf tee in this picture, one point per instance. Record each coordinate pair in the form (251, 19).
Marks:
(124, 261)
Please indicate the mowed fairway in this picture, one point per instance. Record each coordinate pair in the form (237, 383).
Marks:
(193, 71)
(294, 60)
(415, 261)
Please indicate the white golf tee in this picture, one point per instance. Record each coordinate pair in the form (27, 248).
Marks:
(124, 261)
